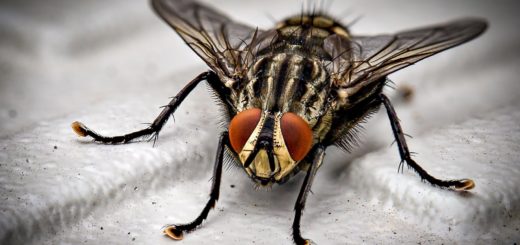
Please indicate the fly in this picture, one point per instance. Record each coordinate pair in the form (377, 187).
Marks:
(292, 91)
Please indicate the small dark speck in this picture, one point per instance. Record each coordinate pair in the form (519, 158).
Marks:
(12, 113)
(133, 239)
(406, 92)
(245, 214)
(27, 160)
(128, 233)
(232, 186)
(101, 227)
(395, 232)
(330, 213)
(153, 203)
(135, 188)
(55, 147)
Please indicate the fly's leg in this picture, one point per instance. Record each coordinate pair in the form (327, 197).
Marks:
(302, 197)
(154, 128)
(176, 231)
(459, 185)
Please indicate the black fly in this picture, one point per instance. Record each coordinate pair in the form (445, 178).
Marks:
(292, 91)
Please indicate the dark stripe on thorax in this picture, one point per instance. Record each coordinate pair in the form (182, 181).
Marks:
(262, 70)
(303, 77)
(281, 80)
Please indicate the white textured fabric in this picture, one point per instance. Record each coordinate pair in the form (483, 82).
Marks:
(111, 65)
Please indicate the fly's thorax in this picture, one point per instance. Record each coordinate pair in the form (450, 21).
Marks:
(287, 82)
(274, 147)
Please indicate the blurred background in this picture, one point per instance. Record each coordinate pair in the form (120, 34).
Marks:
(111, 64)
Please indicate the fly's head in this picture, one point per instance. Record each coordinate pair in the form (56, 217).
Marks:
(269, 145)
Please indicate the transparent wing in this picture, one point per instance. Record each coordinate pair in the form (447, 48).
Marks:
(223, 44)
(365, 59)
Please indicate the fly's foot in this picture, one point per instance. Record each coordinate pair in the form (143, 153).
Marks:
(464, 185)
(173, 233)
(79, 128)
(303, 241)
(308, 242)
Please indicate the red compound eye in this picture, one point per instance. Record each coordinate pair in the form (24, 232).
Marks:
(297, 135)
(242, 126)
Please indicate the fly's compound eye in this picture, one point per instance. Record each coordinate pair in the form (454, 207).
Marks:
(297, 135)
(242, 126)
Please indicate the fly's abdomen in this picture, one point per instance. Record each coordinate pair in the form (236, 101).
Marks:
(317, 25)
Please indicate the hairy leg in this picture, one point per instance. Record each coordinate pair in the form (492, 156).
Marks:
(460, 185)
(176, 231)
(151, 131)
(319, 154)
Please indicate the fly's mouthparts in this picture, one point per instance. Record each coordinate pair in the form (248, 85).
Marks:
(264, 181)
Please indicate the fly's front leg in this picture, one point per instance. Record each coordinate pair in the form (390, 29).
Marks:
(459, 185)
(154, 128)
(319, 153)
(176, 231)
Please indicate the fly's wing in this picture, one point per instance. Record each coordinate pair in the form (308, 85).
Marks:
(365, 59)
(222, 43)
